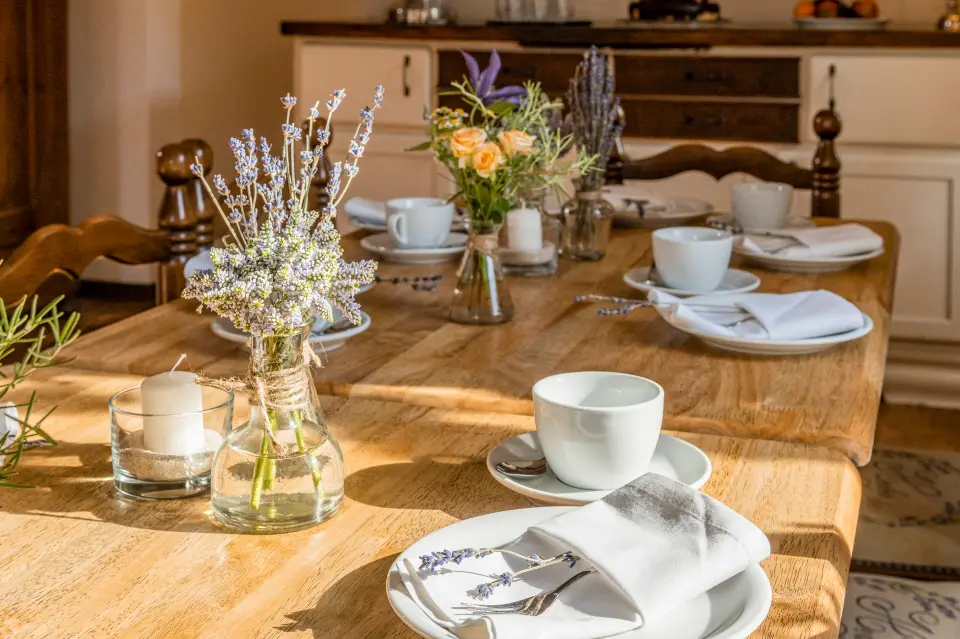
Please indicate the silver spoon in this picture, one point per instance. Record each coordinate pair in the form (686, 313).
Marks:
(522, 469)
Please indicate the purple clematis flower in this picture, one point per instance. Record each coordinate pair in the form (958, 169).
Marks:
(482, 82)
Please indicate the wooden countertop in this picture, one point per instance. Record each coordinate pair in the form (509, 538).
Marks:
(412, 354)
(77, 560)
(623, 35)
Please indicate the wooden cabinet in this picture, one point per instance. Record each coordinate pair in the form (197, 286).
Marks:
(716, 76)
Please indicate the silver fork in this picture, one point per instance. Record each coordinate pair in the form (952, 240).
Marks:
(530, 607)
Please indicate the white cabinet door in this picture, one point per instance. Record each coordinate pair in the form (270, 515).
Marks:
(406, 72)
(907, 99)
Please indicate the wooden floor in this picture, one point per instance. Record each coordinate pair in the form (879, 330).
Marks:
(918, 428)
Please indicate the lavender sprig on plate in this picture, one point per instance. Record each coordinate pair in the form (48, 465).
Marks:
(437, 559)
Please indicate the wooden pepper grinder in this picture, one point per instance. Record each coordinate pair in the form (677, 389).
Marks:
(826, 163)
(199, 199)
(176, 218)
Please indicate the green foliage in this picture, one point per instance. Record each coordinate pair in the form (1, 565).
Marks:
(41, 333)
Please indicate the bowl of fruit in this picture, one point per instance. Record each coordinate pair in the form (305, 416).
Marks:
(862, 15)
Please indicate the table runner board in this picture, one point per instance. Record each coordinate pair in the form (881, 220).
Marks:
(413, 354)
(79, 560)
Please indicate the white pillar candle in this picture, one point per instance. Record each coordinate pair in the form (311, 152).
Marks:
(166, 429)
(524, 230)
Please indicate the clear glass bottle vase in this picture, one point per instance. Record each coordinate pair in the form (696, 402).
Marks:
(587, 220)
(283, 470)
(481, 296)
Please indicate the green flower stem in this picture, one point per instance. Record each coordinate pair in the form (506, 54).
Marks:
(259, 472)
(311, 460)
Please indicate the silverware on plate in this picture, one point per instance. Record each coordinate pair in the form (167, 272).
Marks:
(522, 469)
(531, 606)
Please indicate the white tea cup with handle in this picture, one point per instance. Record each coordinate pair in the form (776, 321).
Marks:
(598, 430)
(419, 222)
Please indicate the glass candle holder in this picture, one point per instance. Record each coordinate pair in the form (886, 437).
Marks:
(530, 239)
(181, 467)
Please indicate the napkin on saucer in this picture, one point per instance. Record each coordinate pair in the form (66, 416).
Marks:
(622, 196)
(366, 210)
(793, 316)
(655, 543)
(811, 243)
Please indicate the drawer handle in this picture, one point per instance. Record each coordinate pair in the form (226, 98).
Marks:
(711, 76)
(520, 72)
(407, 61)
(712, 120)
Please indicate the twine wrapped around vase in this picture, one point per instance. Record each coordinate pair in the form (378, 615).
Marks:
(282, 390)
(485, 243)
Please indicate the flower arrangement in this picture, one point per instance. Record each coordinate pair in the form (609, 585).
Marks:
(501, 144)
(595, 111)
(277, 273)
(437, 559)
(26, 327)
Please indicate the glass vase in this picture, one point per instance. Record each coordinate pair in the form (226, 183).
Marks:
(481, 296)
(587, 219)
(283, 470)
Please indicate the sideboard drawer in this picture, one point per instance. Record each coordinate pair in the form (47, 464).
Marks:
(708, 76)
(750, 122)
(551, 70)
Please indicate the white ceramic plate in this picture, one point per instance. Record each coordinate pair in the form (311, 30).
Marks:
(734, 281)
(686, 211)
(382, 244)
(842, 24)
(732, 610)
(673, 458)
(793, 222)
(811, 265)
(776, 347)
(321, 342)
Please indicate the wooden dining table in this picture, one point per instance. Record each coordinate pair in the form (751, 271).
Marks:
(79, 560)
(413, 354)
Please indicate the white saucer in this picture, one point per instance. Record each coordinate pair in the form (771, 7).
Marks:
(459, 223)
(734, 281)
(807, 265)
(321, 342)
(684, 211)
(383, 245)
(732, 610)
(673, 458)
(726, 220)
(775, 347)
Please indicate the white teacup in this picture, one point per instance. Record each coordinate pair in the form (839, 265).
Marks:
(692, 259)
(598, 431)
(761, 205)
(419, 222)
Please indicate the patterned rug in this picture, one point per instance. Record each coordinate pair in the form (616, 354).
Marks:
(910, 515)
(891, 608)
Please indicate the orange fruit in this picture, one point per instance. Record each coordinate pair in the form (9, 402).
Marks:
(804, 9)
(827, 9)
(866, 8)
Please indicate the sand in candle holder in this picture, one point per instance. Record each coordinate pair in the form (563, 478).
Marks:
(149, 465)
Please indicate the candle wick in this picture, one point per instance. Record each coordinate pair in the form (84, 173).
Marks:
(183, 356)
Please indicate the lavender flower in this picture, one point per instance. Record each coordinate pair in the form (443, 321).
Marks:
(482, 82)
(596, 112)
(288, 101)
(484, 591)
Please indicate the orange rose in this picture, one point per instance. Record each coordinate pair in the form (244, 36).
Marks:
(516, 142)
(487, 159)
(465, 141)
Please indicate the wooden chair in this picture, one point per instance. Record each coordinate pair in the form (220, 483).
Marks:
(823, 178)
(58, 252)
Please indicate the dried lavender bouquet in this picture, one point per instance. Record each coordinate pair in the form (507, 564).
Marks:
(595, 113)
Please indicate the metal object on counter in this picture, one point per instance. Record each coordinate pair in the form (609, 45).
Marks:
(550, 11)
(951, 20)
(421, 12)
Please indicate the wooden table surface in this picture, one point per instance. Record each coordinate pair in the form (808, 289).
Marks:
(414, 355)
(78, 560)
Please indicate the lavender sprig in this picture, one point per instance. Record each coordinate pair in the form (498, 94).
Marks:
(627, 305)
(596, 112)
(438, 559)
(418, 283)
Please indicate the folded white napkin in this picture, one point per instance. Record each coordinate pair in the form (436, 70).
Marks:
(656, 544)
(621, 196)
(794, 316)
(823, 241)
(366, 210)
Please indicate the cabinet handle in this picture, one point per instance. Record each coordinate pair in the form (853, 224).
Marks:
(711, 76)
(407, 61)
(710, 120)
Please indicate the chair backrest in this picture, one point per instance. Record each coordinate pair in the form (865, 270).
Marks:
(58, 251)
(823, 178)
